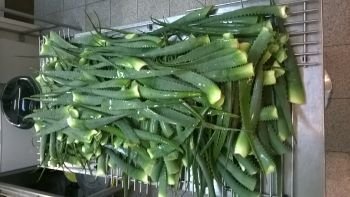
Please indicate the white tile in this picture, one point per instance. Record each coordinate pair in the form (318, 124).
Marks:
(39, 6)
(69, 4)
(123, 12)
(152, 8)
(337, 125)
(337, 174)
(103, 11)
(52, 6)
(179, 7)
(336, 20)
(92, 1)
(337, 63)
(75, 17)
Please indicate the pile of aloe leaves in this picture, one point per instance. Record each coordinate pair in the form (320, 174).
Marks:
(209, 93)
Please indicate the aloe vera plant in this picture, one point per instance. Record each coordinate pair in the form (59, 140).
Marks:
(216, 101)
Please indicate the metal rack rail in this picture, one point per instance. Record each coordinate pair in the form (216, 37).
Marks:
(301, 172)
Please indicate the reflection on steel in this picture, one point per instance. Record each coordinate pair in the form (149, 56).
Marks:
(327, 88)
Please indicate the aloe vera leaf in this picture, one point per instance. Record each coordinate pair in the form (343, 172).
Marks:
(168, 83)
(94, 123)
(54, 37)
(233, 22)
(172, 166)
(128, 131)
(49, 50)
(53, 126)
(163, 117)
(189, 18)
(235, 186)
(202, 52)
(284, 108)
(206, 173)
(52, 150)
(79, 134)
(244, 102)
(238, 31)
(212, 91)
(295, 87)
(136, 44)
(114, 83)
(114, 131)
(281, 55)
(276, 142)
(149, 93)
(224, 121)
(87, 99)
(68, 75)
(231, 74)
(256, 98)
(143, 160)
(229, 49)
(43, 144)
(144, 135)
(283, 131)
(129, 62)
(246, 180)
(242, 145)
(116, 104)
(264, 139)
(278, 11)
(269, 77)
(166, 129)
(268, 113)
(279, 71)
(69, 83)
(156, 171)
(130, 93)
(180, 118)
(98, 53)
(102, 111)
(247, 164)
(101, 165)
(265, 160)
(153, 128)
(154, 39)
(163, 183)
(224, 62)
(177, 48)
(260, 44)
(130, 73)
(115, 161)
(54, 114)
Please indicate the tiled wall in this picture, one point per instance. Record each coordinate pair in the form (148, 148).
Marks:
(336, 18)
(337, 174)
(336, 30)
(113, 13)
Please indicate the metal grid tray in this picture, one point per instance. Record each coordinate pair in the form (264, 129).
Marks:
(302, 170)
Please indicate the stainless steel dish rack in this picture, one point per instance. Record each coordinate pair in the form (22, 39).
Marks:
(302, 171)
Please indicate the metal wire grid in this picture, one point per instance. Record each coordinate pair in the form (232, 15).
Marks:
(304, 28)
